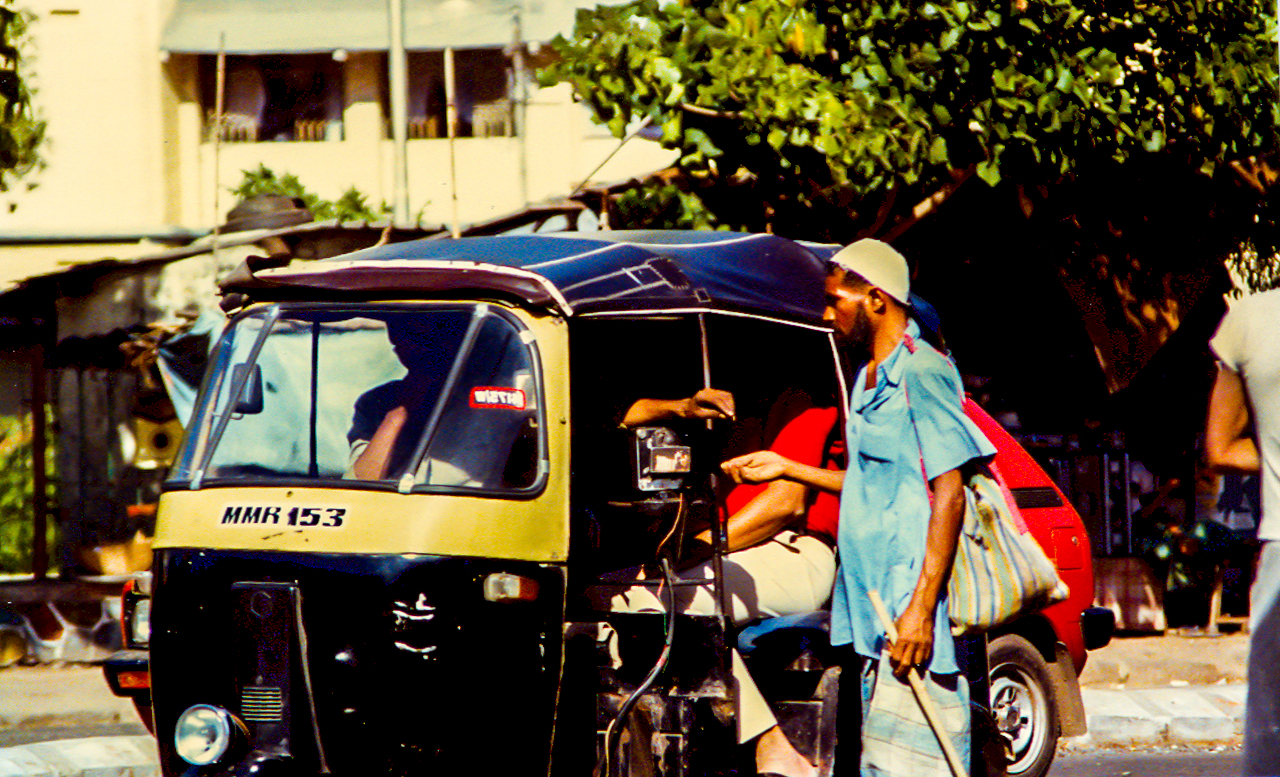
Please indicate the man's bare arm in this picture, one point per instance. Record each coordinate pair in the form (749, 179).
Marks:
(767, 466)
(775, 508)
(915, 625)
(708, 403)
(373, 461)
(1226, 446)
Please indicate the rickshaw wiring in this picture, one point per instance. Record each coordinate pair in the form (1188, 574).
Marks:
(613, 732)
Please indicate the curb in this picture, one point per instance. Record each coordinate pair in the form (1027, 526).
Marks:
(1157, 716)
(133, 756)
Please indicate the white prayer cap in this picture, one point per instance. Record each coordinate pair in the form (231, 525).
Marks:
(877, 262)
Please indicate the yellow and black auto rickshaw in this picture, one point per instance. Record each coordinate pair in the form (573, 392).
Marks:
(329, 599)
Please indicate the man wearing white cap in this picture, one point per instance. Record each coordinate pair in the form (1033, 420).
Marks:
(901, 508)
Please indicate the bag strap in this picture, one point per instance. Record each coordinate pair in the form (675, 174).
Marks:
(911, 419)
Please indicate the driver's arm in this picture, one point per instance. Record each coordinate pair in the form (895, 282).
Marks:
(708, 403)
(372, 462)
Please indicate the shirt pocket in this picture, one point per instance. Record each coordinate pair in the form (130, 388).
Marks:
(878, 443)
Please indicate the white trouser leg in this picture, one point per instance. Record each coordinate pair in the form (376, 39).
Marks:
(790, 574)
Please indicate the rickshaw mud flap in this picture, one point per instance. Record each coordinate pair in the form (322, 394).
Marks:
(272, 614)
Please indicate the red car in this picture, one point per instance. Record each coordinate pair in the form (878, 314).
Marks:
(1036, 660)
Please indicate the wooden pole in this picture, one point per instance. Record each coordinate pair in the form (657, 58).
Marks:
(922, 695)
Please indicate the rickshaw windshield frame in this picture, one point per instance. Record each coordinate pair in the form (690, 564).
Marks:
(507, 348)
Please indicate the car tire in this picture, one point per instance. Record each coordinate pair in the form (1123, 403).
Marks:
(1023, 703)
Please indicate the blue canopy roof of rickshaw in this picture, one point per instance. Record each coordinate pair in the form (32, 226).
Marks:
(591, 272)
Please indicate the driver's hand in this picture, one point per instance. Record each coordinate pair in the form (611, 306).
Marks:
(758, 467)
(710, 403)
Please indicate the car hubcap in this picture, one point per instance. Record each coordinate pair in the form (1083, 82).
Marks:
(1020, 710)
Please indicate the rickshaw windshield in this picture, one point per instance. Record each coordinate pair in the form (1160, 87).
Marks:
(432, 398)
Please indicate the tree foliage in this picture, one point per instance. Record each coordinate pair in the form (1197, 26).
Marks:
(16, 492)
(828, 117)
(353, 205)
(21, 131)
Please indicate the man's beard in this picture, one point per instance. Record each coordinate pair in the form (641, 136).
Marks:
(860, 335)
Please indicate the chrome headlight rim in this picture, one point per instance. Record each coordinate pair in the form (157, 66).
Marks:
(217, 726)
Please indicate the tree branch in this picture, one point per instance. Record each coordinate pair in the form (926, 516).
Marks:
(882, 215)
(698, 109)
(931, 203)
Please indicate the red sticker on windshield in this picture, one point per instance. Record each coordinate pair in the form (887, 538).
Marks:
(495, 397)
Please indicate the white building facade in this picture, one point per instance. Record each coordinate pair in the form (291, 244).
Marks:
(129, 89)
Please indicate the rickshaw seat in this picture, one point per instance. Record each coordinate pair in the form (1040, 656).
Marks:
(788, 633)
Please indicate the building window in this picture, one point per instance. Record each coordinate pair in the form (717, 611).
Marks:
(483, 94)
(275, 97)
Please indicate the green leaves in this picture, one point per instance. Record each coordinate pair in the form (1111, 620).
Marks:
(847, 100)
(21, 129)
(352, 205)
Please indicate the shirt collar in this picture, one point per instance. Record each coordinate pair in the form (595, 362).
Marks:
(891, 370)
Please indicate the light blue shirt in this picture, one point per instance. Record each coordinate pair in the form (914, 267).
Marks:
(884, 504)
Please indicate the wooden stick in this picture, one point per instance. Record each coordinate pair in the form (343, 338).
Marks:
(922, 696)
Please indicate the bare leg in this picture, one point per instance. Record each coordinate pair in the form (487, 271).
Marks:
(775, 755)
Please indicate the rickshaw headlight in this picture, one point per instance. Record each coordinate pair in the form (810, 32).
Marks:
(140, 622)
(203, 734)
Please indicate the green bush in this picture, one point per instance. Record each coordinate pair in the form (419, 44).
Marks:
(16, 491)
(353, 205)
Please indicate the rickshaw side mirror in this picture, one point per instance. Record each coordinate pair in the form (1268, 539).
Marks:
(659, 461)
(250, 401)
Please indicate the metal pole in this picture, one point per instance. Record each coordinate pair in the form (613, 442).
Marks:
(39, 478)
(219, 100)
(398, 84)
(522, 104)
(1128, 502)
(1106, 501)
(451, 119)
(719, 537)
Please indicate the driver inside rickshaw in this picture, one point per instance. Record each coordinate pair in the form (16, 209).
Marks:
(780, 543)
(389, 419)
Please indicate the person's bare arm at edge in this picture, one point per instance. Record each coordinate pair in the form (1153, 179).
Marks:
(371, 464)
(767, 466)
(1227, 448)
(915, 626)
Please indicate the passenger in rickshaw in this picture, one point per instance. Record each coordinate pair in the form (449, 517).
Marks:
(781, 558)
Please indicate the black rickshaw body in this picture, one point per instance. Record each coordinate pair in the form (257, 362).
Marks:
(435, 616)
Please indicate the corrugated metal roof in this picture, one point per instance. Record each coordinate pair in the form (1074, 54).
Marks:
(317, 26)
(20, 263)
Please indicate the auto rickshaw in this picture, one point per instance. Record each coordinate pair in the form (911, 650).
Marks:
(329, 598)
(308, 617)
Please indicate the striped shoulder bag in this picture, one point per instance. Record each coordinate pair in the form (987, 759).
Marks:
(1000, 571)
